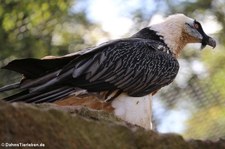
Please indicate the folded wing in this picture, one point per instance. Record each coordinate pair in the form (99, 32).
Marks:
(133, 65)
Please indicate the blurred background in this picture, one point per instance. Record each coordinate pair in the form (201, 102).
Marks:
(194, 105)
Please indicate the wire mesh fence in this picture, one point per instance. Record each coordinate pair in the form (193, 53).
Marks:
(196, 110)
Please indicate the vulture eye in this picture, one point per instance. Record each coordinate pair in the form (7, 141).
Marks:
(196, 25)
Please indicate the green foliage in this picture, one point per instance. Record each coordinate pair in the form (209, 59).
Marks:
(31, 28)
(26, 27)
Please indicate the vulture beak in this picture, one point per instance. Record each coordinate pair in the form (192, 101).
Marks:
(207, 40)
(195, 30)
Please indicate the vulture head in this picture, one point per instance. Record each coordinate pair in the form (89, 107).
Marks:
(178, 30)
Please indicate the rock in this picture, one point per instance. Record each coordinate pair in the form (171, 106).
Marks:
(76, 127)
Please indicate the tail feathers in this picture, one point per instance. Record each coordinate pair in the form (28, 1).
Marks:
(33, 68)
(40, 97)
(52, 96)
(59, 96)
(10, 87)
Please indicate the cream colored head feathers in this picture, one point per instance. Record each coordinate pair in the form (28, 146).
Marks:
(178, 30)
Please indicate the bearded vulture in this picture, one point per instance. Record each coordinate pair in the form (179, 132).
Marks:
(124, 73)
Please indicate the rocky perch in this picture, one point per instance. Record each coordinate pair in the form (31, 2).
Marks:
(64, 127)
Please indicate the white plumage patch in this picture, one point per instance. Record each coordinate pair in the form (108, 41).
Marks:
(135, 110)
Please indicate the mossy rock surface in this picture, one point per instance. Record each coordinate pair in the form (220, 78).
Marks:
(80, 128)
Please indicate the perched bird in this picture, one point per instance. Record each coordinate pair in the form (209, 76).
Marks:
(124, 73)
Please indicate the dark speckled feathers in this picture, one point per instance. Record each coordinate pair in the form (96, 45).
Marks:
(135, 66)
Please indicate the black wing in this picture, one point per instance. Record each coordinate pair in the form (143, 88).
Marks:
(132, 65)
